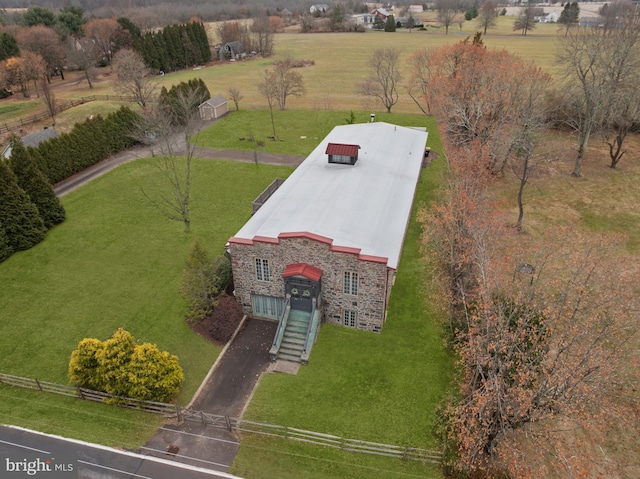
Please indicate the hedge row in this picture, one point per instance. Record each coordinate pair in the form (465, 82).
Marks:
(175, 47)
(85, 145)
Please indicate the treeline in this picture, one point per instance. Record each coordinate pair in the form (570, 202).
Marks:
(174, 47)
(28, 205)
(87, 144)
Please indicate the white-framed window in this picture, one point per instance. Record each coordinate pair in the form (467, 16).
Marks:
(262, 270)
(350, 285)
(349, 318)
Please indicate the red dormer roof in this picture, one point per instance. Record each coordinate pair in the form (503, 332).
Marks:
(342, 149)
(303, 269)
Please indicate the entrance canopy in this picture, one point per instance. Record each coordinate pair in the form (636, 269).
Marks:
(303, 269)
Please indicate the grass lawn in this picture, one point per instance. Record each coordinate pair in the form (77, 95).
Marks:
(298, 131)
(116, 262)
(376, 387)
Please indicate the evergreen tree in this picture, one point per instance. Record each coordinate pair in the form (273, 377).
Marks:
(5, 249)
(18, 215)
(390, 25)
(8, 46)
(378, 22)
(36, 185)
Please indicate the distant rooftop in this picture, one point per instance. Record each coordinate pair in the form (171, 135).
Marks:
(365, 206)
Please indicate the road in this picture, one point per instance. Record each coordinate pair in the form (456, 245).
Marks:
(26, 453)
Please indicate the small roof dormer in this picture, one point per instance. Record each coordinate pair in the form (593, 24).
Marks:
(342, 153)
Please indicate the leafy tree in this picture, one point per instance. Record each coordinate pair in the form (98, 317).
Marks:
(390, 24)
(36, 185)
(38, 16)
(70, 20)
(384, 77)
(153, 375)
(19, 217)
(203, 280)
(122, 367)
(8, 46)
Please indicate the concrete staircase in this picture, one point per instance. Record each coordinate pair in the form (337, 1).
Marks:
(295, 335)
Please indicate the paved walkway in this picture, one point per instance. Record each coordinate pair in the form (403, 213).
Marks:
(226, 392)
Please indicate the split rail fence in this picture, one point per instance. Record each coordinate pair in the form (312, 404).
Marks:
(11, 126)
(230, 423)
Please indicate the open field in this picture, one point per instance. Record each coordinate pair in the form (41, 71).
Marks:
(340, 62)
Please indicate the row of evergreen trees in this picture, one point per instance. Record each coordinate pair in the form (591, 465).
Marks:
(28, 205)
(181, 101)
(85, 145)
(174, 47)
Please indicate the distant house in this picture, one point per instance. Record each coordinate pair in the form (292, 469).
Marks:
(547, 18)
(415, 9)
(384, 13)
(214, 108)
(319, 7)
(404, 21)
(232, 51)
(34, 139)
(591, 21)
(365, 19)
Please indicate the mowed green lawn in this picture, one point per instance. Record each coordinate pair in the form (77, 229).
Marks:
(116, 262)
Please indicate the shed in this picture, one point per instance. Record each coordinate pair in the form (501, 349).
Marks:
(232, 51)
(34, 139)
(214, 108)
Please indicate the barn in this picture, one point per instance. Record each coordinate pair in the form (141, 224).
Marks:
(326, 245)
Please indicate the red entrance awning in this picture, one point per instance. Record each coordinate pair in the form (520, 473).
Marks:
(303, 269)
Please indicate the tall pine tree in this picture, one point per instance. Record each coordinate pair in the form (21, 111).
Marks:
(19, 217)
(5, 249)
(36, 185)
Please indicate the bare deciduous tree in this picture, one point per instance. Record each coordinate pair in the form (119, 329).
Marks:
(420, 78)
(384, 77)
(447, 10)
(263, 33)
(49, 99)
(599, 66)
(134, 77)
(487, 15)
(267, 89)
(174, 155)
(103, 32)
(526, 19)
(45, 42)
(285, 82)
(235, 96)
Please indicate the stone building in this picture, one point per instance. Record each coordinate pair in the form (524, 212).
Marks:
(329, 239)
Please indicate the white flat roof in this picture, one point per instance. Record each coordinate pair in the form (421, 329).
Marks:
(365, 206)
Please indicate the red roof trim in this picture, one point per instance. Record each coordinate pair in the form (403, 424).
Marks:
(265, 239)
(373, 259)
(306, 234)
(303, 269)
(345, 249)
(342, 149)
(246, 241)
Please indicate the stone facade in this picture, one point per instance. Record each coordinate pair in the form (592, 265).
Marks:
(374, 277)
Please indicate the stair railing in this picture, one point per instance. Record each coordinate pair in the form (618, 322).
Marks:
(312, 332)
(282, 325)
